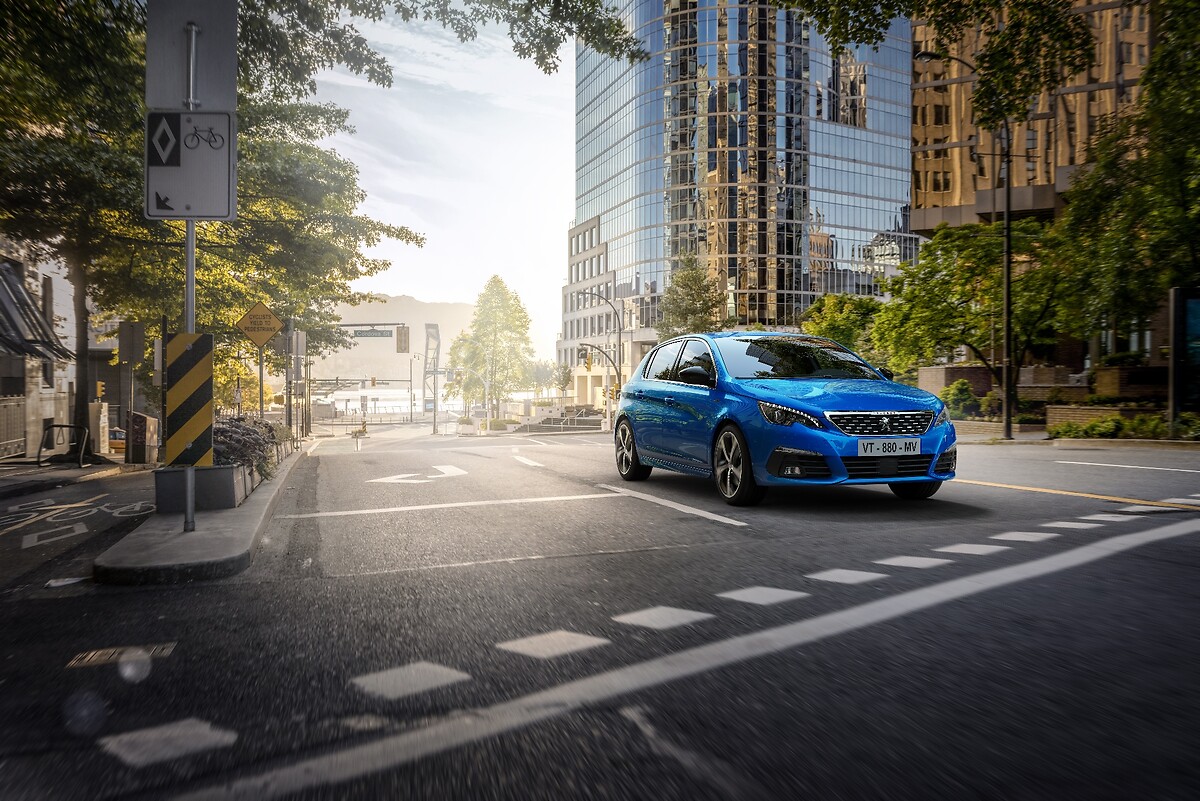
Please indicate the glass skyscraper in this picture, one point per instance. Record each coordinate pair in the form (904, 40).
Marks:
(782, 166)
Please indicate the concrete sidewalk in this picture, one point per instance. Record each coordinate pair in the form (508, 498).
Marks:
(159, 552)
(20, 477)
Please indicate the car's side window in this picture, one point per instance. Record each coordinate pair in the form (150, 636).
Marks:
(695, 354)
(662, 364)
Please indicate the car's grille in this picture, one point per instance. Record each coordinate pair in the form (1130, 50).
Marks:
(887, 466)
(791, 463)
(872, 424)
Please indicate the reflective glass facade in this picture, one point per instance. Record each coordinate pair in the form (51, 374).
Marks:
(784, 167)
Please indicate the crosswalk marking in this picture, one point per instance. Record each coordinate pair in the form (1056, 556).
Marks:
(1025, 536)
(1071, 524)
(840, 576)
(662, 617)
(920, 562)
(973, 549)
(413, 678)
(763, 596)
(143, 747)
(552, 644)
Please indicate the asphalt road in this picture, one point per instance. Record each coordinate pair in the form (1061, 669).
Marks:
(504, 618)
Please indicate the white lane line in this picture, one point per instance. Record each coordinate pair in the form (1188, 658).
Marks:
(457, 505)
(1141, 509)
(413, 678)
(314, 447)
(392, 751)
(662, 617)
(162, 743)
(679, 507)
(921, 562)
(1024, 536)
(529, 462)
(840, 576)
(552, 644)
(1112, 518)
(763, 596)
(972, 549)
(1133, 467)
(539, 442)
(1194, 500)
(1071, 524)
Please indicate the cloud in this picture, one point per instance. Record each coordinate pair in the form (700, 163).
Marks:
(474, 148)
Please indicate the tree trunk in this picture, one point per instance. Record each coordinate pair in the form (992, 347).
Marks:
(77, 276)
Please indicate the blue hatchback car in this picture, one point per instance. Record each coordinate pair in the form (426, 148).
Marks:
(760, 409)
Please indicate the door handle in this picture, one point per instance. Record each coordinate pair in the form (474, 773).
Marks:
(668, 400)
(639, 394)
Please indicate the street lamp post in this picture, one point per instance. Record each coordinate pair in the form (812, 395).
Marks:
(1007, 334)
(620, 327)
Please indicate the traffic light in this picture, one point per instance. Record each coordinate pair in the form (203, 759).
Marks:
(99, 390)
(402, 339)
(372, 380)
(451, 375)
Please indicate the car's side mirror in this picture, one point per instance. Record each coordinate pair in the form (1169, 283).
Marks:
(696, 375)
(886, 373)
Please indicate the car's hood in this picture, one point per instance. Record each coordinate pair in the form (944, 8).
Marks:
(838, 394)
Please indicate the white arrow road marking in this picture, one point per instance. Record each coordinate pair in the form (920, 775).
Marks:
(403, 478)
(444, 471)
(43, 537)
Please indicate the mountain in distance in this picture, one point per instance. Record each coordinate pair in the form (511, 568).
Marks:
(377, 356)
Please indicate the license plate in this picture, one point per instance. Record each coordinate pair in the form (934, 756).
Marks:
(889, 447)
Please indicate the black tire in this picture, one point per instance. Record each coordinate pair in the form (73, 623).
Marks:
(915, 490)
(732, 471)
(628, 465)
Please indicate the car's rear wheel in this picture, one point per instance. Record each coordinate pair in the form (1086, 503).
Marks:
(732, 471)
(628, 465)
(915, 490)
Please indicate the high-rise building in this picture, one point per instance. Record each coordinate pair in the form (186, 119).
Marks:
(781, 165)
(957, 176)
(957, 167)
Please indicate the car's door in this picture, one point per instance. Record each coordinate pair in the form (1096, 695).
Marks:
(649, 398)
(690, 409)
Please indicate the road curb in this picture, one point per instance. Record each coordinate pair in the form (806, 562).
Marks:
(223, 544)
(1097, 444)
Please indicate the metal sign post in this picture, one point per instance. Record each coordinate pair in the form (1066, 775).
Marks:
(190, 161)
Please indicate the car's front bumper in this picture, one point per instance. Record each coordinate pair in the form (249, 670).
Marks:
(795, 455)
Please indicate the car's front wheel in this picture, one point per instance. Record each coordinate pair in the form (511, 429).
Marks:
(915, 490)
(628, 465)
(732, 471)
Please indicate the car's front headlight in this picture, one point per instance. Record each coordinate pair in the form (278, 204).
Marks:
(783, 416)
(942, 418)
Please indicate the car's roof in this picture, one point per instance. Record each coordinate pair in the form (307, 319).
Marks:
(715, 335)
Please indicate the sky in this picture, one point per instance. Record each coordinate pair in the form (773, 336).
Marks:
(474, 148)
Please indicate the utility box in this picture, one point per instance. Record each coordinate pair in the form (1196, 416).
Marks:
(98, 426)
(141, 441)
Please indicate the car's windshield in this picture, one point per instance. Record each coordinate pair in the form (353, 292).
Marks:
(790, 357)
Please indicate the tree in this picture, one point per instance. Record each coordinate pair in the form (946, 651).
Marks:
(1131, 227)
(693, 302)
(843, 318)
(953, 296)
(496, 346)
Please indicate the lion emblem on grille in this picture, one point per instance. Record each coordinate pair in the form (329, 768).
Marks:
(885, 425)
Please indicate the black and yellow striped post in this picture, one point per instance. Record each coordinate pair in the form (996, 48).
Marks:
(190, 400)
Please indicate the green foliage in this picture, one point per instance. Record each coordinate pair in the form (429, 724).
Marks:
(959, 399)
(693, 302)
(1187, 426)
(495, 347)
(1123, 359)
(1131, 226)
(248, 441)
(953, 296)
(1067, 430)
(992, 404)
(845, 319)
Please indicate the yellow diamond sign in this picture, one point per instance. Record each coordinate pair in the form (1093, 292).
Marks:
(260, 324)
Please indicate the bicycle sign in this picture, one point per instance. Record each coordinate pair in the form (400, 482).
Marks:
(208, 135)
(191, 165)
